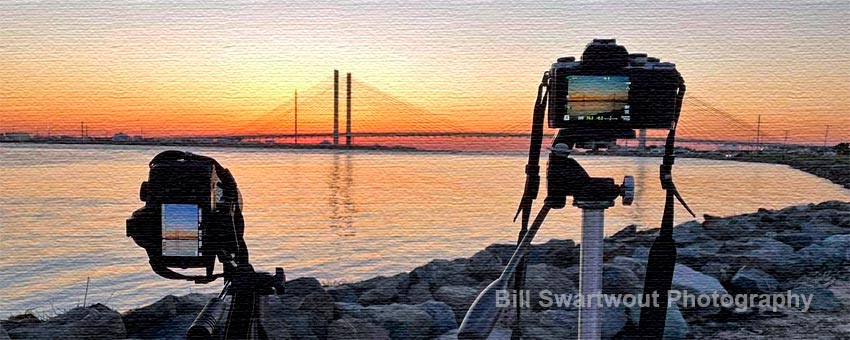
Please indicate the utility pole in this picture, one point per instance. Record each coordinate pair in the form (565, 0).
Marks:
(348, 109)
(296, 116)
(758, 134)
(82, 131)
(826, 136)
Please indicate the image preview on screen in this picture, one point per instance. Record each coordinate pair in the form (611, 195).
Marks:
(180, 223)
(598, 97)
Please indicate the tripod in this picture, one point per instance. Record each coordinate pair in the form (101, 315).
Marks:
(565, 177)
(244, 289)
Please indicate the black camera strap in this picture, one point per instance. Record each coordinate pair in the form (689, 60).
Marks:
(661, 263)
(532, 187)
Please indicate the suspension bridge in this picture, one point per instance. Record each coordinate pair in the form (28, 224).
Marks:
(313, 115)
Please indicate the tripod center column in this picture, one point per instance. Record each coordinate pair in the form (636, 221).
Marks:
(590, 268)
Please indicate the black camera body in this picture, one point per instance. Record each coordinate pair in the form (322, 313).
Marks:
(192, 215)
(612, 92)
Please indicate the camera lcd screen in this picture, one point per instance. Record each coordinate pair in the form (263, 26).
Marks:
(180, 230)
(598, 98)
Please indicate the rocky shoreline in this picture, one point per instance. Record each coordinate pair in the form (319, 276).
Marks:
(801, 249)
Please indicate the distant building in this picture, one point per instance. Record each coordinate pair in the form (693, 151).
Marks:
(120, 137)
(17, 136)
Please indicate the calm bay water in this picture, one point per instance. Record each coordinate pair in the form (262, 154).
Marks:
(333, 215)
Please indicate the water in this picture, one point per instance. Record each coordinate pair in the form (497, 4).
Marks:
(334, 216)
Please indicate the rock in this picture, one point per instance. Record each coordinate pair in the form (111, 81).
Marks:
(795, 240)
(690, 232)
(320, 303)
(459, 298)
(840, 245)
(94, 322)
(484, 266)
(3, 334)
(342, 309)
(619, 280)
(558, 253)
(418, 293)
(766, 254)
(402, 321)
(542, 276)
(282, 321)
(640, 253)
(635, 266)
(721, 271)
(348, 328)
(613, 320)
(441, 314)
(753, 281)
(168, 318)
(551, 324)
(730, 228)
(451, 335)
(675, 327)
(817, 257)
(303, 286)
(691, 281)
(823, 300)
(379, 296)
(342, 294)
(439, 273)
(626, 233)
(697, 255)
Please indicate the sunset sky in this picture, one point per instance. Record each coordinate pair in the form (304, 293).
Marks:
(217, 67)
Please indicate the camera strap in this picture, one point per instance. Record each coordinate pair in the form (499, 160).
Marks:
(661, 263)
(532, 187)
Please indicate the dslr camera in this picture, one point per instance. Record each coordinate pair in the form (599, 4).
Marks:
(610, 92)
(192, 215)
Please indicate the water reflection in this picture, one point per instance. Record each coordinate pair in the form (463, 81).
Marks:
(342, 205)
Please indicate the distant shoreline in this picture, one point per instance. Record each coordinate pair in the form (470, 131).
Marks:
(833, 168)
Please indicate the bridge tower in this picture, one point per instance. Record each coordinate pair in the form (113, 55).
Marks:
(348, 109)
(336, 108)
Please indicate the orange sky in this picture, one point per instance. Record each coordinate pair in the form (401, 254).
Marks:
(200, 68)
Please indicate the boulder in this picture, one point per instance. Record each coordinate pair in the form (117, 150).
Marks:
(168, 318)
(440, 273)
(342, 294)
(796, 240)
(822, 299)
(546, 277)
(675, 327)
(559, 253)
(282, 320)
(840, 245)
(753, 281)
(691, 281)
(619, 280)
(418, 293)
(729, 228)
(382, 295)
(441, 314)
(817, 257)
(3, 334)
(613, 318)
(320, 303)
(721, 271)
(551, 324)
(697, 255)
(349, 328)
(626, 233)
(402, 321)
(459, 298)
(635, 266)
(93, 322)
(690, 232)
(484, 266)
